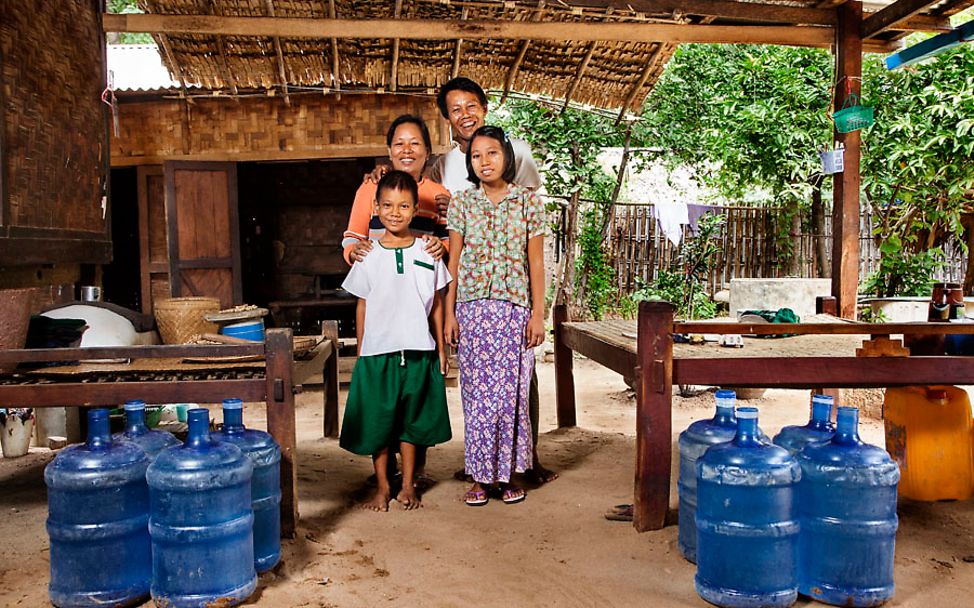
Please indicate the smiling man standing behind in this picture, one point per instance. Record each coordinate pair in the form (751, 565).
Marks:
(464, 104)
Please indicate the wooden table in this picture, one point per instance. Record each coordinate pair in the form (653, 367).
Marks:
(656, 363)
(157, 374)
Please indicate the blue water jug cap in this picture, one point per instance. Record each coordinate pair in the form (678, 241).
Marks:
(134, 404)
(747, 413)
(725, 393)
(823, 399)
(232, 404)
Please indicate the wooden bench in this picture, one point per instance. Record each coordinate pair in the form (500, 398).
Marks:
(157, 374)
(647, 355)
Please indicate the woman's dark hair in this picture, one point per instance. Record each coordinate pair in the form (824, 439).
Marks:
(459, 84)
(497, 133)
(398, 180)
(416, 120)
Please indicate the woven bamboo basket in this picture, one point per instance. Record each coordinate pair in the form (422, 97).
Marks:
(181, 319)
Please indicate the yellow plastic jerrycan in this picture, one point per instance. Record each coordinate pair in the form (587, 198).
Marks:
(929, 433)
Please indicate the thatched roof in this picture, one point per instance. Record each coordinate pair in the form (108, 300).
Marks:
(616, 74)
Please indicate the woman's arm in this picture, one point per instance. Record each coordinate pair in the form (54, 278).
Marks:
(359, 324)
(534, 332)
(451, 330)
(355, 240)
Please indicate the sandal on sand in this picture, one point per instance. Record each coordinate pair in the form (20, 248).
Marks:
(475, 498)
(513, 495)
(619, 513)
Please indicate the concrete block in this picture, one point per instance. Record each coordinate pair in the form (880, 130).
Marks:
(772, 294)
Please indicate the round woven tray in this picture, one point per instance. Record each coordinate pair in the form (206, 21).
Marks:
(180, 319)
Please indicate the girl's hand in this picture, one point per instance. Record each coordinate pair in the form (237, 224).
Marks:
(451, 330)
(444, 363)
(360, 250)
(534, 332)
(434, 246)
(442, 204)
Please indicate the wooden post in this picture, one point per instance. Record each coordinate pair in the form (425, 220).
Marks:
(845, 185)
(654, 395)
(280, 421)
(564, 375)
(329, 377)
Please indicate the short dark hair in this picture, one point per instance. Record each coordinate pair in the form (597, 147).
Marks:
(510, 166)
(416, 120)
(398, 180)
(459, 83)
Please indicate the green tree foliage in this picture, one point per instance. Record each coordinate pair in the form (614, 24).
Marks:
(127, 7)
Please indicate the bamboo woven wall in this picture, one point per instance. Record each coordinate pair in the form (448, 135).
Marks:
(264, 128)
(747, 248)
(51, 115)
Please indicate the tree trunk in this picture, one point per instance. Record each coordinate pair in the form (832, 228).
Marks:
(566, 293)
(967, 220)
(823, 269)
(794, 264)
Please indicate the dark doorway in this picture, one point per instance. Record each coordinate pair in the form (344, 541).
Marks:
(121, 278)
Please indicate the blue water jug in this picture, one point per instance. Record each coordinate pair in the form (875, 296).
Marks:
(152, 442)
(266, 484)
(693, 443)
(98, 521)
(848, 518)
(747, 520)
(201, 521)
(818, 429)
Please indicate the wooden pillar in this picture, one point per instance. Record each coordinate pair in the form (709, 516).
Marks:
(654, 396)
(329, 378)
(564, 374)
(845, 202)
(279, 354)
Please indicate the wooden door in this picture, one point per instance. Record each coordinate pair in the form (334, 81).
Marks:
(204, 234)
(153, 236)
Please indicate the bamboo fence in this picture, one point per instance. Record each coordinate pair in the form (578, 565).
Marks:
(747, 247)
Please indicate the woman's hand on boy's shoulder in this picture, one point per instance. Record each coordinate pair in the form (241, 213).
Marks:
(434, 246)
(360, 250)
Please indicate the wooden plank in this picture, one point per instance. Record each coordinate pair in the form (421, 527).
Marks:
(564, 374)
(608, 355)
(394, 69)
(744, 11)
(811, 372)
(281, 423)
(654, 395)
(336, 81)
(767, 329)
(329, 329)
(174, 351)
(114, 393)
(420, 29)
(458, 50)
(845, 185)
(892, 14)
(21, 251)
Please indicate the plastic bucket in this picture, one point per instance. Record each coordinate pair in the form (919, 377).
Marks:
(246, 330)
(15, 435)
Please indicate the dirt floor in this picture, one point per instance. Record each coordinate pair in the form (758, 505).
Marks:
(555, 549)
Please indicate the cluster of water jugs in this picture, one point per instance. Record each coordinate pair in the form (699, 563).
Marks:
(139, 513)
(814, 512)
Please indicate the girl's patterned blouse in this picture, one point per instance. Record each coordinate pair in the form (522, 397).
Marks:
(494, 259)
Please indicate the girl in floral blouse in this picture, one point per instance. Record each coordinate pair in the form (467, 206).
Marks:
(495, 313)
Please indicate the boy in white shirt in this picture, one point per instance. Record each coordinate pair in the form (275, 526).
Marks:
(397, 392)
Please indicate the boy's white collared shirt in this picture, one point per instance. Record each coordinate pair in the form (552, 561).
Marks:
(398, 286)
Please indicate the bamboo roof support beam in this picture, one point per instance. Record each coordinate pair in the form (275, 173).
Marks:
(167, 49)
(744, 11)
(525, 44)
(336, 81)
(394, 69)
(579, 72)
(647, 71)
(225, 72)
(893, 14)
(458, 51)
(419, 29)
(281, 68)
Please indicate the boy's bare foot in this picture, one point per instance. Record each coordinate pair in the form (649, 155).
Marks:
(379, 502)
(408, 498)
(539, 474)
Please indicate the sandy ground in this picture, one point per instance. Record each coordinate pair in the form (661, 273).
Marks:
(555, 549)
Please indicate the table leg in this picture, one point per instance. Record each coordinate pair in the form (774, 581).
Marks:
(280, 421)
(329, 329)
(654, 397)
(564, 376)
